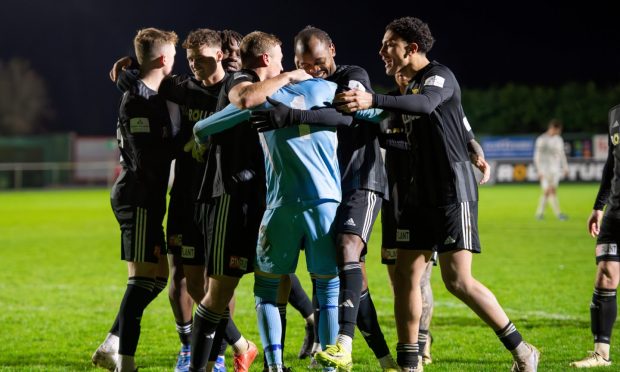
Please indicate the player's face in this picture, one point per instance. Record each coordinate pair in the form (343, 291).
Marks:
(231, 59)
(275, 62)
(168, 52)
(203, 61)
(393, 53)
(318, 58)
(401, 81)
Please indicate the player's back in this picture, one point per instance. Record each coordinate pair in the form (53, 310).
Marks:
(301, 161)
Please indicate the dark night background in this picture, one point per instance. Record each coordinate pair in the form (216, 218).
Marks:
(73, 43)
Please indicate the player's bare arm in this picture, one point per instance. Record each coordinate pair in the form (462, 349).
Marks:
(121, 64)
(476, 155)
(247, 95)
(594, 222)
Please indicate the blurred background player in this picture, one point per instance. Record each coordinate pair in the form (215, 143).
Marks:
(551, 165)
(604, 307)
(138, 197)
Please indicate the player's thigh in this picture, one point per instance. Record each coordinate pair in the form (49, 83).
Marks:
(279, 241)
(607, 255)
(142, 233)
(357, 214)
(319, 239)
(232, 229)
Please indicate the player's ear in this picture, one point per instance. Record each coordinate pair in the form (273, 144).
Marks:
(219, 56)
(161, 61)
(412, 48)
(332, 49)
(265, 59)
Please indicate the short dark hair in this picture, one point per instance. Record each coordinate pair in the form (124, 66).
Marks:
(230, 35)
(308, 33)
(413, 30)
(201, 37)
(555, 123)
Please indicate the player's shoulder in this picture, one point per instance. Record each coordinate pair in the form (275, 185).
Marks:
(438, 74)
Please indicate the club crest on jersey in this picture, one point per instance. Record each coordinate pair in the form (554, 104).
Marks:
(615, 133)
(239, 263)
(139, 125)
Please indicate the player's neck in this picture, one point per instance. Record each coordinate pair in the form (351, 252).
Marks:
(152, 78)
(414, 66)
(215, 78)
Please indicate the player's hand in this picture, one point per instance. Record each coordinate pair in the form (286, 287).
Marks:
(197, 149)
(594, 223)
(483, 166)
(298, 75)
(279, 116)
(119, 65)
(353, 100)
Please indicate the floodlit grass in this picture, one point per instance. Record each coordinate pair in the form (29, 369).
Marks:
(61, 283)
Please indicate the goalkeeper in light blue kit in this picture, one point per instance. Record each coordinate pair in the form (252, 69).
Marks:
(303, 193)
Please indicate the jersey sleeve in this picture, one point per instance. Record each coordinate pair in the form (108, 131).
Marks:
(219, 122)
(174, 88)
(140, 133)
(358, 79)
(438, 87)
(127, 79)
(608, 173)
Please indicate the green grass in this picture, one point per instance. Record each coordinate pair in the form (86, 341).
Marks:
(61, 283)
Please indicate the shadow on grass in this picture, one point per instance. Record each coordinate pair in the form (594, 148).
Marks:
(521, 322)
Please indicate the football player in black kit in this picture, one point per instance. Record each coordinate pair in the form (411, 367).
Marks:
(196, 97)
(138, 197)
(442, 202)
(398, 168)
(605, 227)
(364, 184)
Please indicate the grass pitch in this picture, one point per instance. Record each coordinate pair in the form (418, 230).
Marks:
(62, 281)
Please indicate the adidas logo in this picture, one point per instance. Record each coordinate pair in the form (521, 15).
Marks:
(350, 222)
(347, 303)
(449, 240)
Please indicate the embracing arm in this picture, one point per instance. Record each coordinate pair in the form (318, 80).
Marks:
(227, 118)
(246, 94)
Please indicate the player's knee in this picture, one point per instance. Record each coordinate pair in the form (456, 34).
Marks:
(608, 274)
(456, 286)
(350, 247)
(196, 289)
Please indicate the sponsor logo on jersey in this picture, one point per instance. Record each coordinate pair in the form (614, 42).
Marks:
(435, 80)
(402, 235)
(240, 263)
(350, 222)
(139, 125)
(194, 115)
(187, 251)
